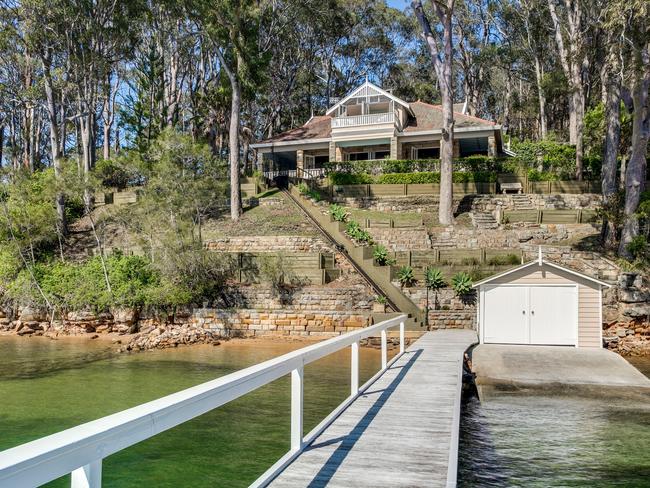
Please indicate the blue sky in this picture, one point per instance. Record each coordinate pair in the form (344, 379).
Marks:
(400, 4)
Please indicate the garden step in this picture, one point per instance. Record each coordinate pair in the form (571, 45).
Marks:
(522, 202)
(484, 220)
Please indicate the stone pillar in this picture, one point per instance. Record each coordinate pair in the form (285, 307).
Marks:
(338, 154)
(332, 150)
(300, 159)
(260, 161)
(395, 148)
(456, 148)
(492, 147)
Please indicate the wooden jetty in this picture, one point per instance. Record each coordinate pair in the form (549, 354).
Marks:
(401, 431)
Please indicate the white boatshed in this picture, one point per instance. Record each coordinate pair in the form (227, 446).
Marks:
(540, 303)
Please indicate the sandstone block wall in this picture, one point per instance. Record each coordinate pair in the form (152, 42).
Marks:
(268, 243)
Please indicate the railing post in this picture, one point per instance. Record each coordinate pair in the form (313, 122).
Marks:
(296, 408)
(401, 337)
(88, 476)
(384, 350)
(354, 368)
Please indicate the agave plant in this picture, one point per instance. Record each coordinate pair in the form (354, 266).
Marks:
(405, 276)
(461, 283)
(380, 254)
(338, 213)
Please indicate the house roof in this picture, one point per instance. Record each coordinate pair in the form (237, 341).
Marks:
(367, 86)
(318, 127)
(540, 261)
(429, 117)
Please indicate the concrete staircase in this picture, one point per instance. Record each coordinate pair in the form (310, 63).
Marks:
(361, 258)
(484, 220)
(522, 202)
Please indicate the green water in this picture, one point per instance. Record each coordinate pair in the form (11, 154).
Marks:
(47, 386)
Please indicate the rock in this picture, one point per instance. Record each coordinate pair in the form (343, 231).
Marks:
(632, 295)
(29, 314)
(126, 316)
(637, 310)
(94, 336)
(25, 331)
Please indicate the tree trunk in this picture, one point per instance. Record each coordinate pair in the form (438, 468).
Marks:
(612, 81)
(233, 148)
(635, 174)
(55, 145)
(442, 61)
(541, 97)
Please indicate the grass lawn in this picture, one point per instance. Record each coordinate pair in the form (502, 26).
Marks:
(264, 220)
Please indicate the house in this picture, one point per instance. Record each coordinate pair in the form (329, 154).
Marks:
(540, 303)
(371, 123)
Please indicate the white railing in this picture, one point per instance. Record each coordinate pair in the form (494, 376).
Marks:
(369, 119)
(80, 450)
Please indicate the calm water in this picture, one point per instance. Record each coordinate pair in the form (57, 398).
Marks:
(47, 386)
(529, 441)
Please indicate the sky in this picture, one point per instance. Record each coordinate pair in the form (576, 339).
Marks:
(400, 4)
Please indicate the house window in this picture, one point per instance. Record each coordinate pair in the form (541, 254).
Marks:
(428, 153)
(321, 160)
(358, 156)
(381, 154)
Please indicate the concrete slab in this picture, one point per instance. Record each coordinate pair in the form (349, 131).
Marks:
(555, 369)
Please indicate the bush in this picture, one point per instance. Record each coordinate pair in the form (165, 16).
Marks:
(338, 213)
(303, 188)
(503, 260)
(381, 257)
(461, 283)
(405, 276)
(339, 178)
(638, 248)
(357, 234)
(408, 178)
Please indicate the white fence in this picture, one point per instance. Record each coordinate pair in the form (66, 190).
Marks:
(80, 450)
(369, 119)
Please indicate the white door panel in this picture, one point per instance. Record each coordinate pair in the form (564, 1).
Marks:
(505, 315)
(553, 312)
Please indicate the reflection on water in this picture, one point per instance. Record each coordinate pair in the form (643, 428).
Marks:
(537, 441)
(47, 386)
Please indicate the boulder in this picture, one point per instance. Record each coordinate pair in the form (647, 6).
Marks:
(29, 314)
(633, 295)
(637, 310)
(125, 316)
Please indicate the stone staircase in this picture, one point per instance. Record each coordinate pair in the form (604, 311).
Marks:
(361, 258)
(522, 202)
(441, 238)
(484, 220)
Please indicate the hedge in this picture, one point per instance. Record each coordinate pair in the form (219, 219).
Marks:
(423, 177)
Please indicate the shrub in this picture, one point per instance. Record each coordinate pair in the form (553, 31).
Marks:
(638, 248)
(469, 261)
(503, 260)
(357, 234)
(338, 213)
(409, 178)
(339, 178)
(381, 299)
(303, 188)
(405, 276)
(461, 283)
(433, 279)
(380, 254)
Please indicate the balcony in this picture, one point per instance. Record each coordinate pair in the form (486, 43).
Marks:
(358, 120)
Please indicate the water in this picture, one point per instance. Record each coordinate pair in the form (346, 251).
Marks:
(47, 386)
(537, 441)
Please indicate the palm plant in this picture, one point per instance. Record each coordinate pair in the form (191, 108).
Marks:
(433, 280)
(461, 283)
(405, 276)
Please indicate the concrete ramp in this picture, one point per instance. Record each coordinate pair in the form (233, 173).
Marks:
(555, 369)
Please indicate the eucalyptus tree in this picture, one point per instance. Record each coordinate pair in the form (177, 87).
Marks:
(631, 17)
(441, 51)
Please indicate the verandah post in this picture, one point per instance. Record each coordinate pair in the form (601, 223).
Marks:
(296, 408)
(88, 476)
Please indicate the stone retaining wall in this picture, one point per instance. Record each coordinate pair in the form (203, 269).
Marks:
(512, 237)
(401, 239)
(452, 319)
(475, 203)
(268, 243)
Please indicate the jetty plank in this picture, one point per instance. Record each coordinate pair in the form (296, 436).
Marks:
(401, 432)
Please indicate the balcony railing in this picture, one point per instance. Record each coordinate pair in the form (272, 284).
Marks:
(368, 119)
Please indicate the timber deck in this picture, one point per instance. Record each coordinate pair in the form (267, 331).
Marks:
(402, 431)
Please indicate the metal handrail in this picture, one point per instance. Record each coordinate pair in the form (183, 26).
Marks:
(80, 450)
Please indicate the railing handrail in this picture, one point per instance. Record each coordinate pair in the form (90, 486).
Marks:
(364, 119)
(80, 449)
